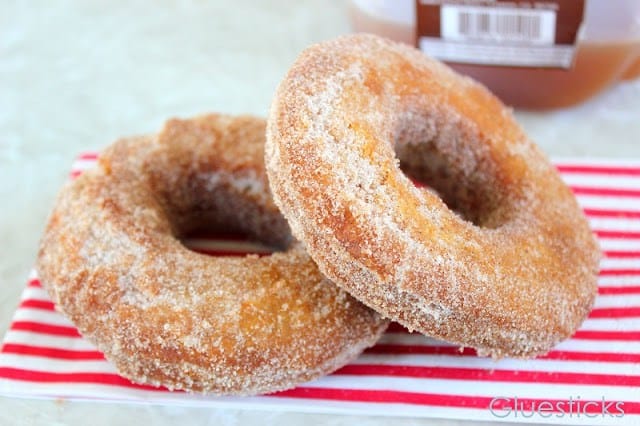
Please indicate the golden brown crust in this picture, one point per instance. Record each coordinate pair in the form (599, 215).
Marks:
(168, 316)
(516, 281)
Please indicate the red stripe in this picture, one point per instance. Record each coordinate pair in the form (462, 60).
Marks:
(75, 173)
(455, 351)
(444, 400)
(592, 356)
(617, 272)
(45, 305)
(606, 170)
(622, 254)
(607, 192)
(606, 335)
(88, 156)
(624, 235)
(78, 377)
(626, 312)
(42, 328)
(34, 282)
(612, 213)
(77, 355)
(395, 327)
(619, 290)
(456, 373)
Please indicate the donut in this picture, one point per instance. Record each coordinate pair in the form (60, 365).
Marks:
(112, 261)
(495, 255)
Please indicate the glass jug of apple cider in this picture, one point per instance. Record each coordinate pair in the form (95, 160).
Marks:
(531, 54)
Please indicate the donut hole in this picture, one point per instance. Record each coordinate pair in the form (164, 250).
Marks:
(441, 157)
(220, 243)
(225, 221)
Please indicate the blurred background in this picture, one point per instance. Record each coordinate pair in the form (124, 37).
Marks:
(76, 75)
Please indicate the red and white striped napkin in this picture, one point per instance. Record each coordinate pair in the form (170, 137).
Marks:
(592, 377)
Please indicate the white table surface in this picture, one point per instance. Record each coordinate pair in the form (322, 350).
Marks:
(75, 75)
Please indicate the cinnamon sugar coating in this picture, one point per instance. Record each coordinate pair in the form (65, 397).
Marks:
(164, 315)
(511, 272)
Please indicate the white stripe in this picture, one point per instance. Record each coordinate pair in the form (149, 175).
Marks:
(36, 293)
(618, 301)
(43, 316)
(104, 392)
(617, 281)
(46, 340)
(81, 164)
(621, 263)
(602, 181)
(608, 202)
(615, 224)
(607, 346)
(619, 244)
(93, 392)
(611, 324)
(38, 363)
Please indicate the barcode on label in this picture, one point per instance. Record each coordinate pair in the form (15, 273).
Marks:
(497, 24)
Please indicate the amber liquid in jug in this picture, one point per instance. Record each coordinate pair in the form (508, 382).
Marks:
(596, 65)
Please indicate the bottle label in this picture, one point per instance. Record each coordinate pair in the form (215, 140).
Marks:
(500, 32)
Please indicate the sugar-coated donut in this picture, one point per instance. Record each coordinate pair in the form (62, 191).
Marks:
(164, 315)
(511, 273)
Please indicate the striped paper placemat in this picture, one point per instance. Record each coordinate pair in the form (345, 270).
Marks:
(594, 377)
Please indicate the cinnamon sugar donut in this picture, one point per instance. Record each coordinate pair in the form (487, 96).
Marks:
(511, 276)
(164, 315)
